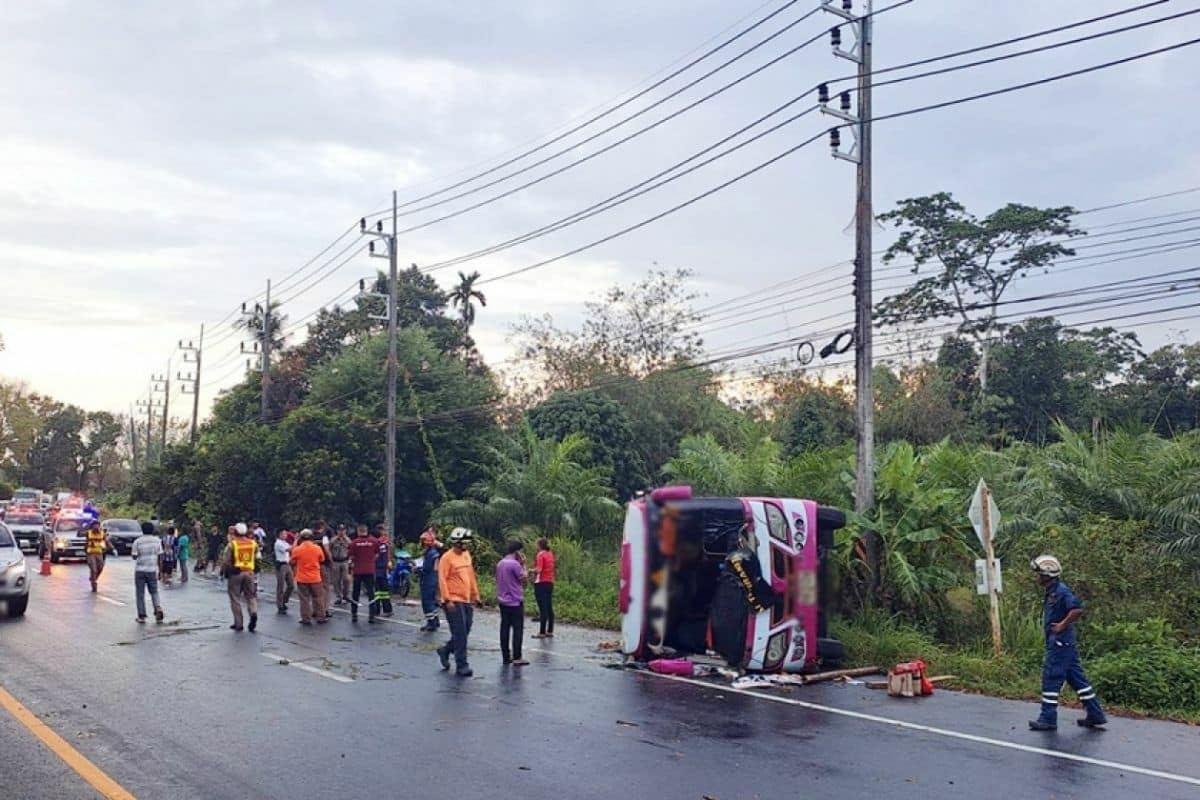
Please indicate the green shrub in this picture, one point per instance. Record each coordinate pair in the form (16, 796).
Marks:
(875, 638)
(1102, 640)
(1158, 678)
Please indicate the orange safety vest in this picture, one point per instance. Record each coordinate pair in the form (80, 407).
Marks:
(244, 551)
(95, 542)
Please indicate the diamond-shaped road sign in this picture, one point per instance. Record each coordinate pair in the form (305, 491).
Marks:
(975, 512)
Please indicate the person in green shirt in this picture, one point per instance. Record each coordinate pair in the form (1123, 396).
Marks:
(184, 546)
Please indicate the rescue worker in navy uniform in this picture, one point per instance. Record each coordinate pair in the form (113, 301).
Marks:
(1061, 609)
(429, 578)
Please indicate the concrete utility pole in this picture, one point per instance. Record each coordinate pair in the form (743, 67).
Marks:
(190, 384)
(389, 490)
(266, 354)
(149, 404)
(860, 126)
(133, 451)
(261, 348)
(162, 384)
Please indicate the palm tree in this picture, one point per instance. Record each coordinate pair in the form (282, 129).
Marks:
(464, 296)
(538, 485)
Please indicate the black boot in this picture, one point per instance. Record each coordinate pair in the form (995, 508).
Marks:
(253, 623)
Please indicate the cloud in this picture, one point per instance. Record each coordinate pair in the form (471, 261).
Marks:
(161, 160)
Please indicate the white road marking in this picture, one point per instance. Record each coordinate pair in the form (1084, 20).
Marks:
(896, 723)
(109, 600)
(913, 726)
(324, 673)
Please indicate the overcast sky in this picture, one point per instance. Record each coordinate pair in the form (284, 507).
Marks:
(160, 161)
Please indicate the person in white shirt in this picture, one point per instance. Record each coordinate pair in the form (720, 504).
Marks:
(148, 552)
(285, 579)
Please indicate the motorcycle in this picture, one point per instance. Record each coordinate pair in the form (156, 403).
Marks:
(400, 578)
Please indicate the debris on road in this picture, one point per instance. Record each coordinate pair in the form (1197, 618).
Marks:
(840, 674)
(909, 680)
(630, 724)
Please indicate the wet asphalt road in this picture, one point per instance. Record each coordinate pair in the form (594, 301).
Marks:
(190, 709)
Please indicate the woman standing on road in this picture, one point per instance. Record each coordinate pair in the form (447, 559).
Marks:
(543, 589)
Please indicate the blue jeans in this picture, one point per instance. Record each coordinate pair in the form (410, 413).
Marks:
(1062, 664)
(141, 582)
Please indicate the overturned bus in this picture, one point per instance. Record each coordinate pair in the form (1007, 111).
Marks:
(744, 577)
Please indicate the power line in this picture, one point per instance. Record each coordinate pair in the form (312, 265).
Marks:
(769, 162)
(1004, 43)
(627, 101)
(720, 90)
(1032, 51)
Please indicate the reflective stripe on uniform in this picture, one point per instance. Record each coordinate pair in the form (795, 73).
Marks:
(1050, 701)
(1086, 693)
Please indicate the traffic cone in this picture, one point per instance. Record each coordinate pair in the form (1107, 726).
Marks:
(45, 566)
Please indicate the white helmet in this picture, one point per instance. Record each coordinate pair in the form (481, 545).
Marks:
(1046, 565)
(460, 536)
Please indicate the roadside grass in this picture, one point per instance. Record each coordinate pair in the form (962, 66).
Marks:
(1160, 680)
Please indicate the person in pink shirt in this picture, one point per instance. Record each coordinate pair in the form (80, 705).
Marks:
(543, 589)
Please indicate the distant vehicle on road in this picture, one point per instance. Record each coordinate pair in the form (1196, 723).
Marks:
(27, 497)
(742, 576)
(68, 539)
(122, 532)
(14, 575)
(27, 528)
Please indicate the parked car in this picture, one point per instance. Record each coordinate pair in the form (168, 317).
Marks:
(27, 528)
(122, 532)
(68, 539)
(745, 577)
(14, 575)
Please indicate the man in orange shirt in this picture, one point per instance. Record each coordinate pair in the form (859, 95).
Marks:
(307, 558)
(459, 591)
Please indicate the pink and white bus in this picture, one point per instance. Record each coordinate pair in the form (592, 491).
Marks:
(744, 577)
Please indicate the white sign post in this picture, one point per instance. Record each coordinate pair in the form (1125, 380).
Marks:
(985, 516)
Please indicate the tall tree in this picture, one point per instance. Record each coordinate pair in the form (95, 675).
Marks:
(464, 296)
(606, 426)
(56, 450)
(540, 486)
(975, 261)
(634, 332)
(101, 432)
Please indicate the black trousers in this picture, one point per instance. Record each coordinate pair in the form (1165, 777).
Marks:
(512, 631)
(460, 619)
(362, 582)
(544, 593)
